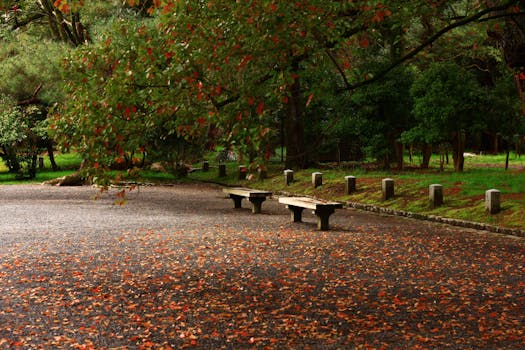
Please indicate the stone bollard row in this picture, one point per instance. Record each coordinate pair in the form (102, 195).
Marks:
(435, 191)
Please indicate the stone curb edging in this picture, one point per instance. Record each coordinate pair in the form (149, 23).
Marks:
(439, 219)
(431, 218)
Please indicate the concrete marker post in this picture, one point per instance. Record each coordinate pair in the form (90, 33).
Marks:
(288, 177)
(493, 201)
(317, 179)
(387, 189)
(350, 184)
(222, 170)
(243, 171)
(435, 195)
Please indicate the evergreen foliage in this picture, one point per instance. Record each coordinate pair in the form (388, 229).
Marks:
(146, 81)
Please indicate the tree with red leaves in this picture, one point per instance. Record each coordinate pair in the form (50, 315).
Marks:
(233, 67)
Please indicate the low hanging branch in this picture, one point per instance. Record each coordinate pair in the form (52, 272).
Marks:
(33, 100)
(428, 42)
(24, 22)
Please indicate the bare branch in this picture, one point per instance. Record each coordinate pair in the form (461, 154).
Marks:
(33, 100)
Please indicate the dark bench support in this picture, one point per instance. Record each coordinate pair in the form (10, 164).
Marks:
(322, 217)
(295, 212)
(236, 201)
(256, 202)
(321, 209)
(255, 197)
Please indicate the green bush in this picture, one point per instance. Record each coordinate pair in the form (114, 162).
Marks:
(21, 130)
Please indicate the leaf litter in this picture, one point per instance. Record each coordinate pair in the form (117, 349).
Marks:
(291, 287)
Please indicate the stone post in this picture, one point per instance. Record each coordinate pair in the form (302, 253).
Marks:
(493, 201)
(317, 179)
(288, 176)
(205, 165)
(242, 172)
(435, 195)
(222, 170)
(387, 189)
(350, 184)
(262, 173)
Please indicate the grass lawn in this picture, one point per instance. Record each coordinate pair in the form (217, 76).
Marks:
(464, 192)
(68, 163)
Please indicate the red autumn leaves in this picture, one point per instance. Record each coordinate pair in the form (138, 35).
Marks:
(232, 288)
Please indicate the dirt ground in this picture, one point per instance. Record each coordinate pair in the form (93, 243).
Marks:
(179, 267)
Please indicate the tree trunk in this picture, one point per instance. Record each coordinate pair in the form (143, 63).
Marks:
(386, 161)
(50, 153)
(69, 30)
(441, 157)
(458, 148)
(507, 159)
(294, 127)
(495, 149)
(32, 167)
(427, 153)
(399, 149)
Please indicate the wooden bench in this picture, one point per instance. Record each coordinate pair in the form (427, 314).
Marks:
(322, 209)
(256, 197)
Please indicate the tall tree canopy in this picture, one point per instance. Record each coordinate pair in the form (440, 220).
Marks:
(227, 69)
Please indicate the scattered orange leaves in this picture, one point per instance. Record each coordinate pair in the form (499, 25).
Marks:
(286, 288)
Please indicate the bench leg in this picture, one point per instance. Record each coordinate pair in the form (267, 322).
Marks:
(295, 213)
(257, 204)
(236, 201)
(322, 218)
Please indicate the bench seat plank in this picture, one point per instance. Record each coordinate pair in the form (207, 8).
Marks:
(246, 192)
(322, 209)
(256, 197)
(309, 203)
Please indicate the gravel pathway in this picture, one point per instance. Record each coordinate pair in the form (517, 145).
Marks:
(178, 267)
(35, 213)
